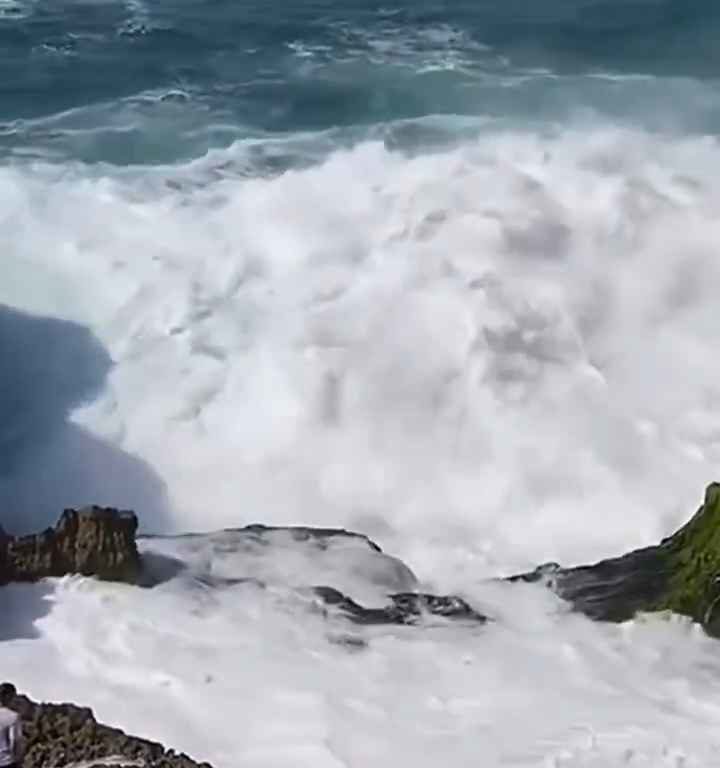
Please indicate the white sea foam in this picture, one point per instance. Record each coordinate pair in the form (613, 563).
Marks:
(484, 358)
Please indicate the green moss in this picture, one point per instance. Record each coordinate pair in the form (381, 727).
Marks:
(693, 560)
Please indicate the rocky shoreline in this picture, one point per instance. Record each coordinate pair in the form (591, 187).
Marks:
(681, 574)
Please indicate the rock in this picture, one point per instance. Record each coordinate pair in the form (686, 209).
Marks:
(93, 541)
(321, 536)
(62, 734)
(681, 574)
(405, 608)
(283, 556)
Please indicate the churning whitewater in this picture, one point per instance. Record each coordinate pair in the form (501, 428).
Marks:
(442, 274)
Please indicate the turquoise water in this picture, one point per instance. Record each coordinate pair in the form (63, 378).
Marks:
(138, 82)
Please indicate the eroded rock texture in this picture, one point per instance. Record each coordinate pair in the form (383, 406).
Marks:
(62, 734)
(93, 541)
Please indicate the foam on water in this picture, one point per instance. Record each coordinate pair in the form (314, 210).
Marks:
(484, 358)
(384, 337)
(244, 679)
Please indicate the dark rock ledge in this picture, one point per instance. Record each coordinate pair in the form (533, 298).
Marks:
(681, 574)
(404, 608)
(59, 735)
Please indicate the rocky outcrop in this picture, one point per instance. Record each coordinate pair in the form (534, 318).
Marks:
(93, 541)
(404, 608)
(681, 574)
(100, 542)
(62, 734)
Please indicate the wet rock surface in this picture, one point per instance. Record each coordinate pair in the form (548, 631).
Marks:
(319, 536)
(94, 541)
(404, 608)
(63, 734)
(297, 556)
(681, 574)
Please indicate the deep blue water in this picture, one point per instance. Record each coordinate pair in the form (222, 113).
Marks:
(160, 81)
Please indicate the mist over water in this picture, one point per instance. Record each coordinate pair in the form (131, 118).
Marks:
(443, 274)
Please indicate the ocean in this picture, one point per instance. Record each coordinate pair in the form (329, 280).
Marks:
(442, 273)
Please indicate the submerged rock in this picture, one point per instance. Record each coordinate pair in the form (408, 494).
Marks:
(404, 608)
(295, 557)
(63, 734)
(681, 574)
(93, 541)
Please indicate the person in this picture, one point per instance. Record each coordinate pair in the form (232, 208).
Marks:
(11, 739)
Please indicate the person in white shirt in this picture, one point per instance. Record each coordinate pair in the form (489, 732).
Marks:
(11, 738)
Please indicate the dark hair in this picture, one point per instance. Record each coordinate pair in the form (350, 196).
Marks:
(7, 693)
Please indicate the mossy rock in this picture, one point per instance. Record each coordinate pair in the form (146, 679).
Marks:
(694, 565)
(681, 574)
